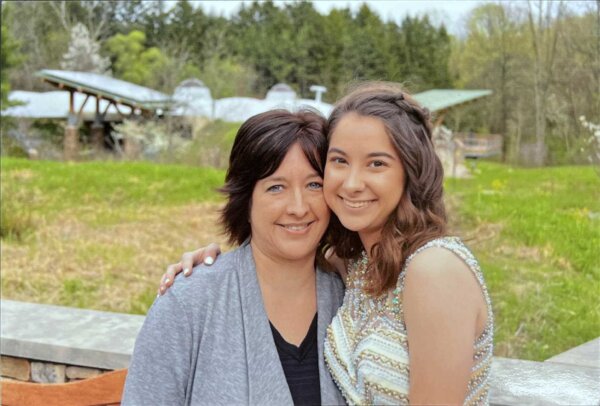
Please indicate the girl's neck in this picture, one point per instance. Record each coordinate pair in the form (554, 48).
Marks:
(368, 239)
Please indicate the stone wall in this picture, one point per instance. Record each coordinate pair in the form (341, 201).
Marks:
(22, 369)
(55, 344)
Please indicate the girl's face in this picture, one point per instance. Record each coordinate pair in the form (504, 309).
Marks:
(364, 177)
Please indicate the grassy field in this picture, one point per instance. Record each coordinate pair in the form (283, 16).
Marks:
(537, 235)
(99, 235)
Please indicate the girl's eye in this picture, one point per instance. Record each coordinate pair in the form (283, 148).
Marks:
(275, 188)
(377, 164)
(315, 185)
(337, 160)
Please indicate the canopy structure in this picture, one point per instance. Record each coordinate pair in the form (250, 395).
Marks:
(441, 100)
(107, 92)
(105, 87)
(56, 105)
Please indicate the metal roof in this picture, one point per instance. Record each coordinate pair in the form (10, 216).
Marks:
(107, 87)
(442, 99)
(56, 105)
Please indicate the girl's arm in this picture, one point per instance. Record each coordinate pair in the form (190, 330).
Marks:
(207, 256)
(441, 304)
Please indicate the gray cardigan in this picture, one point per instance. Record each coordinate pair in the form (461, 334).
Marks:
(207, 341)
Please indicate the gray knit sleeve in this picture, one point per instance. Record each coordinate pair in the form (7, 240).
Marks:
(159, 373)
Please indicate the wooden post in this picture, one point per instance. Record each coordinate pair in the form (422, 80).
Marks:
(71, 137)
(97, 130)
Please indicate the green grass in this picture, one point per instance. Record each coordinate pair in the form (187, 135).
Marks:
(542, 262)
(99, 235)
(56, 186)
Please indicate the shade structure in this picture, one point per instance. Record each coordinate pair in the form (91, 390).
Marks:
(442, 99)
(56, 105)
(106, 87)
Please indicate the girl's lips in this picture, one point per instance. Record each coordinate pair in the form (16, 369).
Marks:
(356, 204)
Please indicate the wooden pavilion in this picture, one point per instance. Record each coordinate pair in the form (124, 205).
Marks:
(106, 91)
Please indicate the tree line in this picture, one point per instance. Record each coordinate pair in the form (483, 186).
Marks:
(541, 59)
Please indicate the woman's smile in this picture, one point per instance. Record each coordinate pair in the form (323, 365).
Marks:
(299, 228)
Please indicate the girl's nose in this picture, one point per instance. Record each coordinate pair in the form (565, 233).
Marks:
(354, 181)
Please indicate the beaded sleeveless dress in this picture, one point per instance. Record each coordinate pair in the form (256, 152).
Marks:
(366, 348)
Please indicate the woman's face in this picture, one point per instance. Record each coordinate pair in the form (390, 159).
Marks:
(364, 177)
(289, 214)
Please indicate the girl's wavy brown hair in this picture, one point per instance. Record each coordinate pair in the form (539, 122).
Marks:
(420, 215)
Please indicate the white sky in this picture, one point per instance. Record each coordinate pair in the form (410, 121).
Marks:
(452, 13)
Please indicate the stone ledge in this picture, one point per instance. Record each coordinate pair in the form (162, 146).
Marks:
(519, 382)
(102, 340)
(587, 354)
(67, 335)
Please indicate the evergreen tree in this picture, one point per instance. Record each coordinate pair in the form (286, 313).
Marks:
(8, 60)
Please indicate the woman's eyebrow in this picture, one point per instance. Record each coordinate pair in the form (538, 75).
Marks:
(284, 179)
(275, 179)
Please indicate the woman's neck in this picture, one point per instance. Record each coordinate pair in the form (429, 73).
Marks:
(280, 274)
(289, 293)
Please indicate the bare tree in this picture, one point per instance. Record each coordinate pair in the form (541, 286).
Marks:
(544, 19)
(96, 16)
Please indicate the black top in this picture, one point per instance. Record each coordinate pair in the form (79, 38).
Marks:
(301, 366)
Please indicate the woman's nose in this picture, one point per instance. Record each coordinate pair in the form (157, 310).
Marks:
(298, 205)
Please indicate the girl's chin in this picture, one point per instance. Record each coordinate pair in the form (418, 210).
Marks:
(352, 226)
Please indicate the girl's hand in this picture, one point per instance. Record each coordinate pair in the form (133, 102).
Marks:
(189, 260)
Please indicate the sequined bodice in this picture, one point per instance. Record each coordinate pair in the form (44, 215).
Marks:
(366, 348)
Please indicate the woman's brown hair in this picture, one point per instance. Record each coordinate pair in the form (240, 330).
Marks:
(420, 215)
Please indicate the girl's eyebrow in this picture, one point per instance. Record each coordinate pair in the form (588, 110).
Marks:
(370, 155)
(336, 150)
(378, 154)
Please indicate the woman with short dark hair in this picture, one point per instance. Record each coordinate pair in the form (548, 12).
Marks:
(250, 330)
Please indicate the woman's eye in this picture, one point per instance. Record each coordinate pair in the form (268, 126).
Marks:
(315, 185)
(275, 188)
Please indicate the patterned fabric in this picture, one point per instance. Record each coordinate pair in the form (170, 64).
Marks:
(366, 348)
